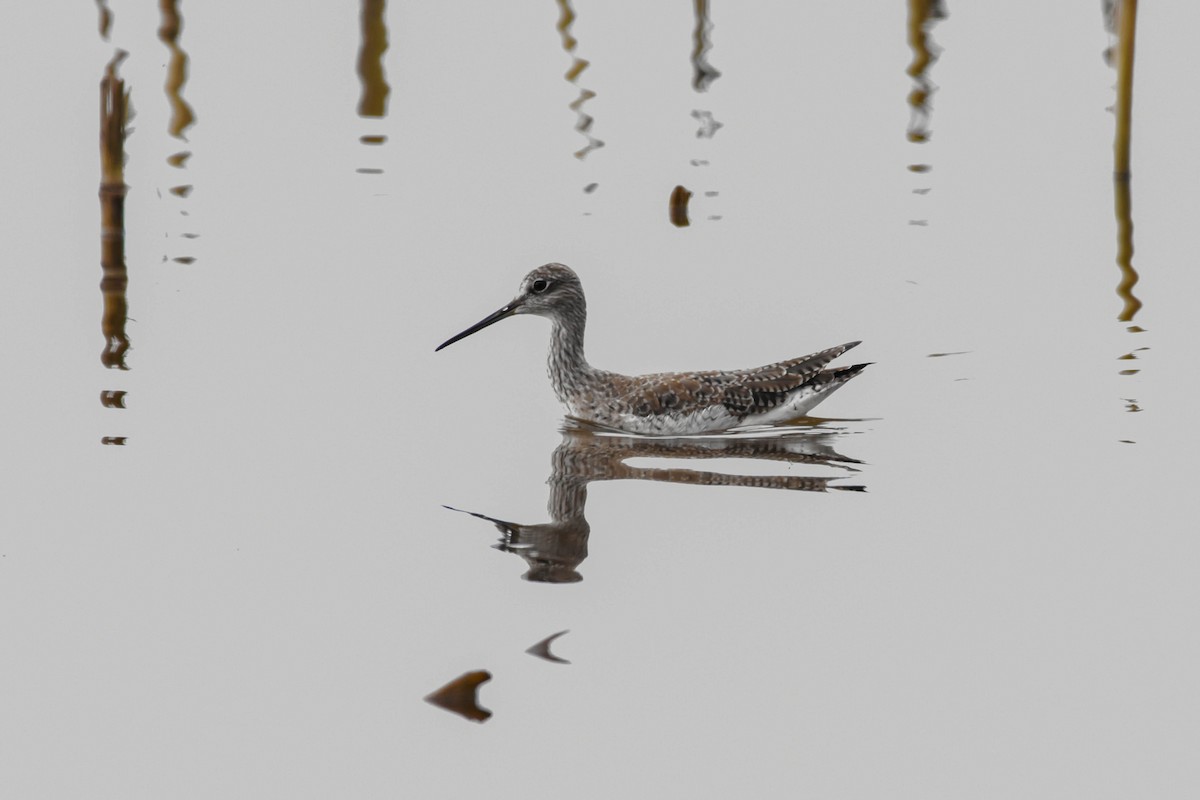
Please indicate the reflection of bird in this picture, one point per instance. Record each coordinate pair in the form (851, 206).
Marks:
(664, 403)
(554, 550)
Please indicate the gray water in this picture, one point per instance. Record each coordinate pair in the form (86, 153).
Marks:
(252, 595)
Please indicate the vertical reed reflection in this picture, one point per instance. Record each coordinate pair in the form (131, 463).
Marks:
(922, 16)
(1122, 19)
(703, 73)
(375, 89)
(182, 116)
(114, 115)
(583, 120)
(372, 103)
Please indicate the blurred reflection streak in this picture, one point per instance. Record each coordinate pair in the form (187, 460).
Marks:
(554, 550)
(708, 125)
(105, 18)
(922, 16)
(703, 73)
(680, 197)
(459, 695)
(542, 649)
(1121, 19)
(1131, 356)
(114, 115)
(375, 89)
(584, 121)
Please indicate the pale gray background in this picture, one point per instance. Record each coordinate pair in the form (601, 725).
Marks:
(251, 598)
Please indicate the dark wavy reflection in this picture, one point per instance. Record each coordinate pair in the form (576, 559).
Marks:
(703, 73)
(583, 120)
(923, 15)
(554, 550)
(1123, 201)
(114, 118)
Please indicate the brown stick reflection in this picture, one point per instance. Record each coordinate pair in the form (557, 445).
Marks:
(922, 16)
(583, 120)
(1125, 27)
(105, 18)
(114, 115)
(375, 89)
(554, 550)
(182, 116)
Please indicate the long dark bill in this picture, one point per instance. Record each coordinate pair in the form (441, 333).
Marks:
(490, 319)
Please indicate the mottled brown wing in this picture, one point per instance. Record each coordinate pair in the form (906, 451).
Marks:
(742, 392)
(759, 390)
(664, 393)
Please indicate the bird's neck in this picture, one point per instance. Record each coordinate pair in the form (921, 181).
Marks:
(567, 366)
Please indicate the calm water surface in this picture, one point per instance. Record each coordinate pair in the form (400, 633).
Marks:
(226, 568)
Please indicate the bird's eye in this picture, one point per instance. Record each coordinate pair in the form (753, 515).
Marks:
(540, 285)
